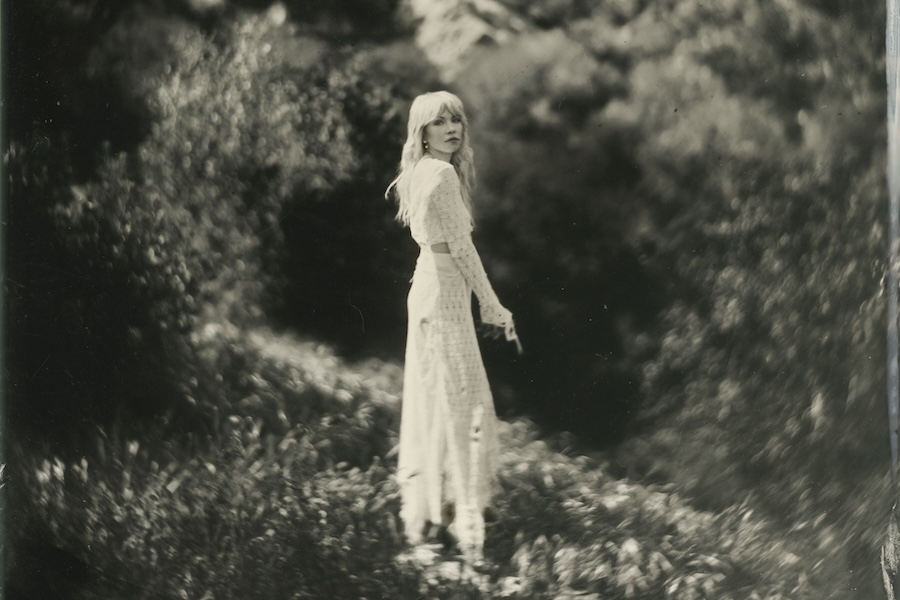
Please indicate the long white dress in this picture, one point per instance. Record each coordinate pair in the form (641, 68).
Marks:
(448, 430)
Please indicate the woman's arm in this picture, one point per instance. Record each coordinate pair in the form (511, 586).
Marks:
(457, 228)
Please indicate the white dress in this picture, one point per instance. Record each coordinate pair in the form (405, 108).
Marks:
(448, 430)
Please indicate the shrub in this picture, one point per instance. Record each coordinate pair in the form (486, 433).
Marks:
(197, 221)
(257, 522)
(552, 205)
(257, 517)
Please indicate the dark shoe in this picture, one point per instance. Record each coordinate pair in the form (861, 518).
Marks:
(448, 541)
(439, 534)
(430, 532)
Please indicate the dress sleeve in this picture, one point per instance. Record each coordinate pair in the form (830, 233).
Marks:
(456, 225)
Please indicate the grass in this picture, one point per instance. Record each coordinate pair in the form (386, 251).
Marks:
(294, 496)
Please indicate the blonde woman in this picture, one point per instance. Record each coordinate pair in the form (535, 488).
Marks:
(448, 430)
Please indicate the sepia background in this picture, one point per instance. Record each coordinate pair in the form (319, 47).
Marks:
(682, 202)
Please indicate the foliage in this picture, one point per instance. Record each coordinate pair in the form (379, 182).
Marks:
(726, 157)
(742, 199)
(283, 383)
(552, 205)
(259, 522)
(259, 514)
(235, 202)
(223, 157)
(775, 310)
(346, 263)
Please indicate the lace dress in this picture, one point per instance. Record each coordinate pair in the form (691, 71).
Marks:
(448, 430)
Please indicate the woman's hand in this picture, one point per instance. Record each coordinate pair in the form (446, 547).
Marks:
(504, 326)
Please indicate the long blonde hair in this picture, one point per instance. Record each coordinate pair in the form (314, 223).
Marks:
(424, 109)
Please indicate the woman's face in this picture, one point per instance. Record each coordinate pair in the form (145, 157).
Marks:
(443, 135)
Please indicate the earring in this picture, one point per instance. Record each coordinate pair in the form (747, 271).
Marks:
(425, 142)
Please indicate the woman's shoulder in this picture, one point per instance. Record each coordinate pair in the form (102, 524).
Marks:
(428, 167)
(431, 173)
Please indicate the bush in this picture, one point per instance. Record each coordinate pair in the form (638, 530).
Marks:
(282, 383)
(206, 217)
(677, 228)
(742, 347)
(552, 206)
(347, 262)
(770, 274)
(262, 522)
(258, 518)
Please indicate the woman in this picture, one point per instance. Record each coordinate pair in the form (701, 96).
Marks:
(448, 429)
